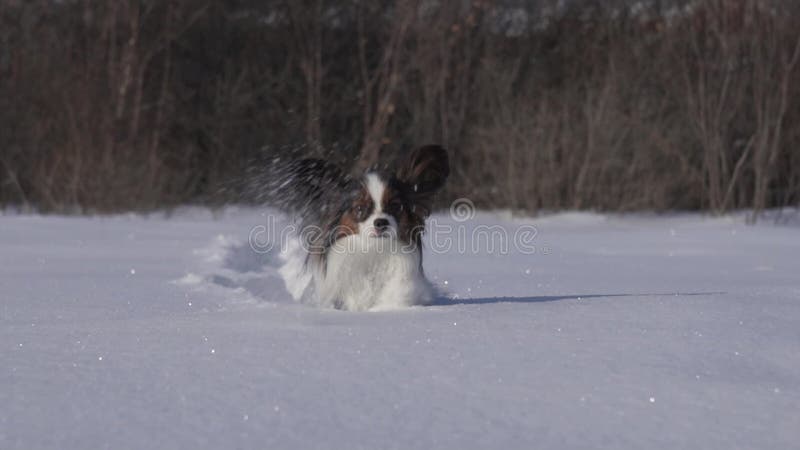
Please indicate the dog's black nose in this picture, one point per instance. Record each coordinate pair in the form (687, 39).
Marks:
(381, 223)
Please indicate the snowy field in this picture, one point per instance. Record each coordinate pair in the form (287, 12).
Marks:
(611, 332)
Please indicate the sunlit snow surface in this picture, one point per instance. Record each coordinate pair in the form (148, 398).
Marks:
(613, 332)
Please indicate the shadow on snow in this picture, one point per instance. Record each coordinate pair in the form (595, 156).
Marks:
(555, 298)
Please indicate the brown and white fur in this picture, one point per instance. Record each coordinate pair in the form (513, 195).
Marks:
(364, 248)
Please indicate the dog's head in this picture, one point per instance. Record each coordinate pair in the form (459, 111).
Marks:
(396, 204)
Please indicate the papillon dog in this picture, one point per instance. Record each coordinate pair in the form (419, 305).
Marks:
(362, 236)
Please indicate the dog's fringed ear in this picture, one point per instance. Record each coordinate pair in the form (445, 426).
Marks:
(306, 188)
(425, 170)
(422, 174)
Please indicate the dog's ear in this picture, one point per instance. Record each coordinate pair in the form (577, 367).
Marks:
(421, 175)
(425, 170)
(307, 188)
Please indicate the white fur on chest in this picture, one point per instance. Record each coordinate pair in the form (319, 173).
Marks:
(367, 273)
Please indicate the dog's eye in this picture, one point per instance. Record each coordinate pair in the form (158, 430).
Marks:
(360, 212)
(395, 206)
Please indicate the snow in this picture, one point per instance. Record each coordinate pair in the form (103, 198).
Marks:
(607, 332)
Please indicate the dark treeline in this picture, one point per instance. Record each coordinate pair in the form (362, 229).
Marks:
(110, 105)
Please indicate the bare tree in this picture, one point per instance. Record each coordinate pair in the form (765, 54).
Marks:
(774, 70)
(380, 81)
(306, 24)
